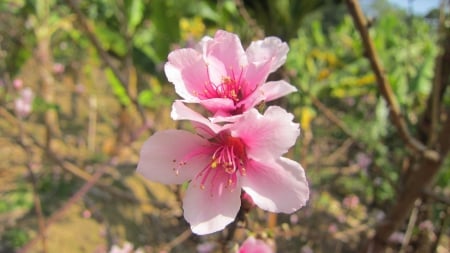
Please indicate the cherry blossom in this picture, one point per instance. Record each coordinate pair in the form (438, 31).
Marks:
(220, 161)
(223, 77)
(23, 105)
(253, 245)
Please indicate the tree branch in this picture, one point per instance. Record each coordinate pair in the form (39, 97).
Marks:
(422, 176)
(384, 86)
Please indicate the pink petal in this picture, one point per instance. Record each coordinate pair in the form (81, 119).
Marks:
(212, 208)
(202, 45)
(267, 92)
(188, 72)
(222, 106)
(252, 245)
(276, 89)
(268, 135)
(271, 49)
(255, 75)
(181, 112)
(276, 186)
(161, 153)
(224, 56)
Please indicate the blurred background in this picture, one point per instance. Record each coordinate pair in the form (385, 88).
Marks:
(82, 86)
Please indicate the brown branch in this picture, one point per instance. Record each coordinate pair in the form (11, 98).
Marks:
(437, 197)
(429, 124)
(424, 173)
(384, 86)
(178, 240)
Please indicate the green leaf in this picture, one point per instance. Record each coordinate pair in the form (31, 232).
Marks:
(117, 88)
(135, 15)
(146, 98)
(110, 39)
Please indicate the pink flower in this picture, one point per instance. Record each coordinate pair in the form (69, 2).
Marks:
(252, 245)
(18, 84)
(220, 160)
(351, 201)
(223, 77)
(23, 105)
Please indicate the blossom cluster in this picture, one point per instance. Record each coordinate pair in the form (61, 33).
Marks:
(235, 149)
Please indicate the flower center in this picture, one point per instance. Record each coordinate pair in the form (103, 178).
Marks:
(228, 159)
(230, 87)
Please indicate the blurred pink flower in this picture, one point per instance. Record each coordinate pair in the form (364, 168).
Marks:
(58, 68)
(23, 105)
(17, 84)
(252, 245)
(206, 247)
(363, 160)
(223, 77)
(351, 201)
(332, 228)
(80, 89)
(397, 237)
(293, 219)
(220, 160)
(426, 225)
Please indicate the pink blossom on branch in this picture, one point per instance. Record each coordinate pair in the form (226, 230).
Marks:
(23, 105)
(252, 245)
(223, 77)
(219, 161)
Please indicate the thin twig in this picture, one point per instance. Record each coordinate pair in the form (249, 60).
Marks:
(383, 84)
(178, 240)
(443, 226)
(250, 21)
(331, 116)
(410, 227)
(33, 179)
(70, 167)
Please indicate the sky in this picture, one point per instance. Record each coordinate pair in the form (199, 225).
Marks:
(419, 7)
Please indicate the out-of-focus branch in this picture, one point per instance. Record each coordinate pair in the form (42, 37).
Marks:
(384, 86)
(332, 117)
(429, 124)
(33, 179)
(68, 166)
(95, 42)
(104, 56)
(250, 21)
(60, 213)
(424, 172)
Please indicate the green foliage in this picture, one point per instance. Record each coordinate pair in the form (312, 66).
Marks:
(117, 88)
(21, 198)
(326, 62)
(329, 64)
(15, 237)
